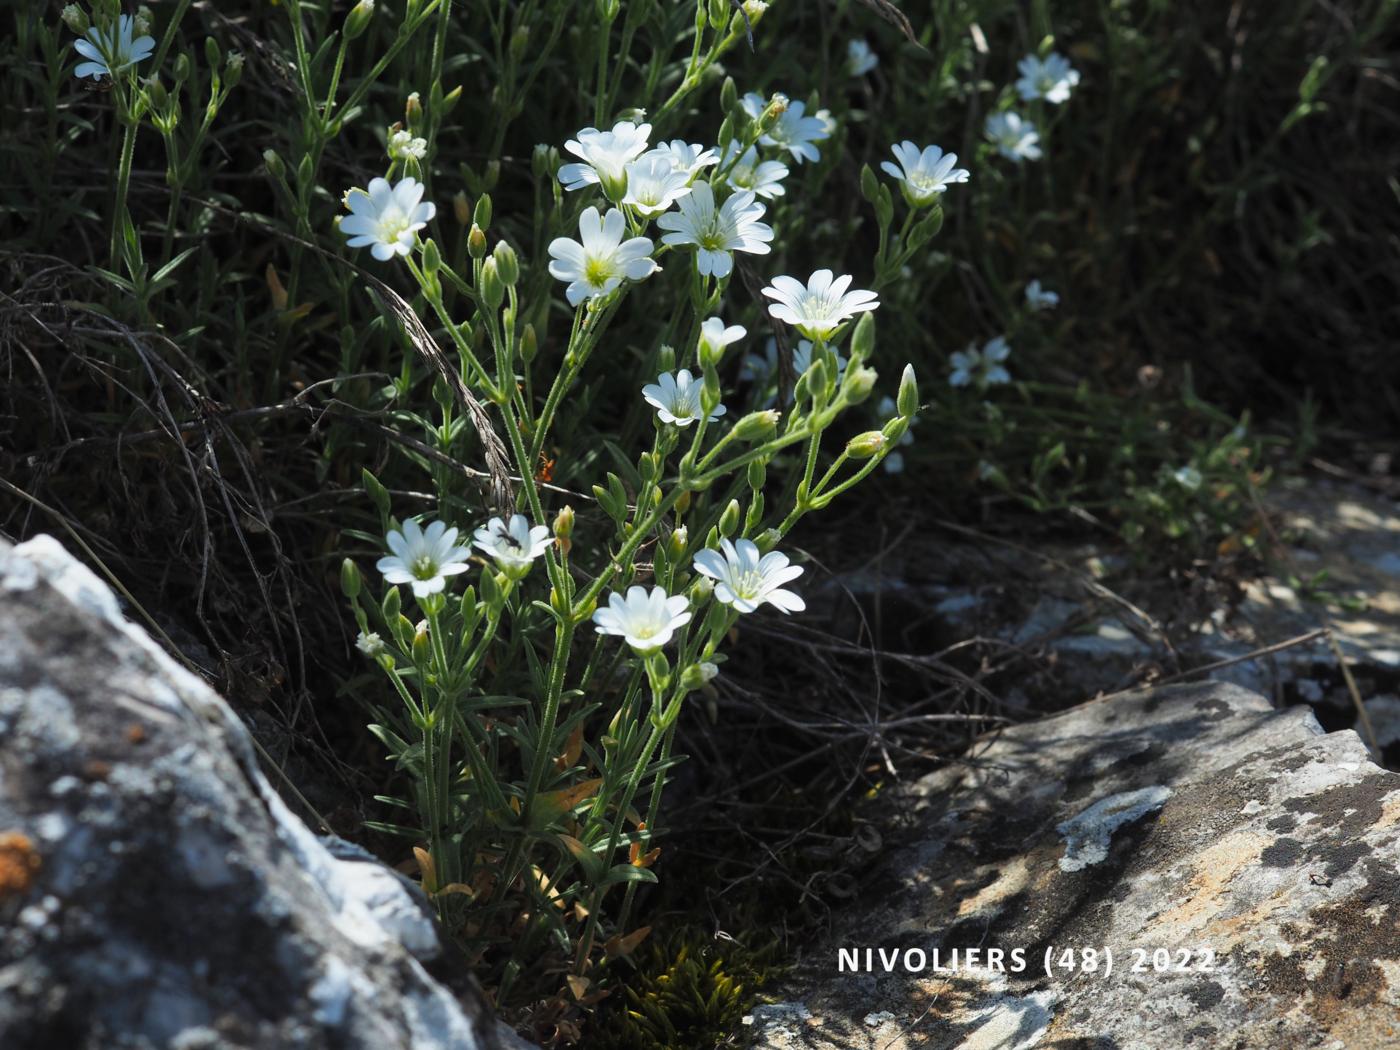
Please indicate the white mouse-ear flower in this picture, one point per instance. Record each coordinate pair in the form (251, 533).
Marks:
(645, 620)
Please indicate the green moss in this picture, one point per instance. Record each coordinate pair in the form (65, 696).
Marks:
(690, 991)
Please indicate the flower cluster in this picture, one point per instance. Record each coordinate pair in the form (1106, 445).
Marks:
(1050, 79)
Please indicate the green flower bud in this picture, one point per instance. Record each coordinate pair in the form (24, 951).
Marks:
(529, 344)
(863, 446)
(461, 209)
(860, 381)
(869, 185)
(544, 161)
(564, 529)
(233, 68)
(213, 55)
(413, 110)
(772, 113)
(757, 425)
(357, 21)
(519, 42)
(155, 91)
(421, 645)
(143, 21)
(450, 101)
(908, 399)
(492, 290)
(482, 215)
(757, 474)
(666, 358)
(719, 14)
(895, 429)
(350, 579)
(432, 258)
(755, 9)
(677, 542)
(506, 263)
(274, 164)
(728, 97)
(76, 19)
(729, 520)
(476, 243)
(697, 675)
(181, 70)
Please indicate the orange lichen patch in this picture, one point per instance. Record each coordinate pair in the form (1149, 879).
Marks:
(19, 863)
(1215, 868)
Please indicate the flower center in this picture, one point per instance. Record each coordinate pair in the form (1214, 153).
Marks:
(597, 271)
(393, 224)
(424, 567)
(748, 585)
(645, 630)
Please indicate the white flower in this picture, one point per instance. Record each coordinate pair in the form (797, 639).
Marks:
(764, 178)
(423, 558)
(646, 621)
(654, 184)
(860, 60)
(1014, 138)
(677, 398)
(734, 227)
(598, 263)
(794, 131)
(386, 218)
(981, 367)
(1051, 78)
(403, 146)
(745, 580)
(112, 52)
(370, 644)
(894, 460)
(819, 308)
(714, 337)
(513, 546)
(687, 157)
(1039, 298)
(605, 157)
(1188, 478)
(925, 174)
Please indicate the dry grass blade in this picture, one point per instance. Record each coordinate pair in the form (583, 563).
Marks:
(502, 495)
(895, 17)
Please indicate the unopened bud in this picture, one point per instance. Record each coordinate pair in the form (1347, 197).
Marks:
(719, 14)
(860, 381)
(141, 24)
(507, 265)
(908, 400)
(729, 520)
(564, 528)
(233, 68)
(756, 425)
(476, 243)
(492, 290)
(863, 446)
(273, 162)
(421, 646)
(76, 19)
(863, 338)
(772, 113)
(450, 100)
(350, 579)
(697, 675)
(461, 209)
(677, 542)
(155, 91)
(432, 258)
(413, 110)
(869, 185)
(181, 70)
(482, 215)
(519, 41)
(529, 344)
(357, 21)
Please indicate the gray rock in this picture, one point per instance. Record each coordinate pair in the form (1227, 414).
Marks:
(1242, 867)
(154, 890)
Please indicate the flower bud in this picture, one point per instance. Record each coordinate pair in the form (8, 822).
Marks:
(476, 243)
(233, 68)
(357, 21)
(413, 110)
(544, 161)
(908, 400)
(757, 474)
(895, 429)
(729, 520)
(370, 644)
(728, 97)
(519, 42)
(213, 57)
(482, 215)
(76, 19)
(756, 425)
(772, 113)
(700, 590)
(863, 446)
(274, 164)
(141, 24)
(350, 579)
(869, 185)
(754, 9)
(461, 209)
(677, 542)
(863, 338)
(860, 381)
(564, 529)
(697, 675)
(492, 290)
(155, 91)
(507, 265)
(719, 14)
(421, 646)
(432, 258)
(450, 100)
(181, 70)
(683, 504)
(529, 344)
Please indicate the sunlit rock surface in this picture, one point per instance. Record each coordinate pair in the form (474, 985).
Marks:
(154, 890)
(1242, 867)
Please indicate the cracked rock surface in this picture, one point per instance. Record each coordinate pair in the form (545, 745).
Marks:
(1242, 866)
(154, 890)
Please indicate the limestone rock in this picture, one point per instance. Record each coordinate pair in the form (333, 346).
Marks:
(154, 890)
(1242, 866)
